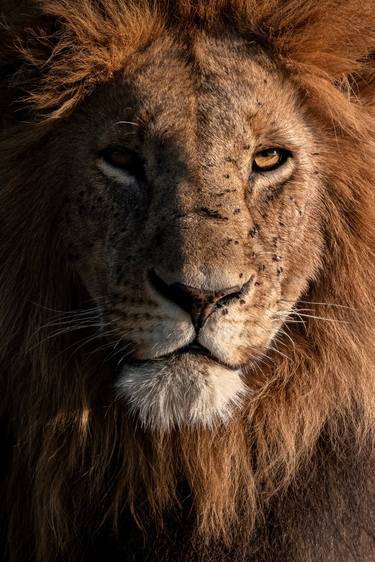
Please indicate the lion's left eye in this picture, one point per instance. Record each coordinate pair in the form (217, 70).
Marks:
(269, 159)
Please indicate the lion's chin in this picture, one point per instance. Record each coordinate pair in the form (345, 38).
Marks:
(179, 392)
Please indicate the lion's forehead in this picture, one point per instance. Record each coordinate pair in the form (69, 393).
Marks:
(211, 92)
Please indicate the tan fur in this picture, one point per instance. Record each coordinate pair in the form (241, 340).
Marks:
(77, 459)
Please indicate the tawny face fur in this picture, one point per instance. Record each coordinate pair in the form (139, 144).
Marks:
(188, 208)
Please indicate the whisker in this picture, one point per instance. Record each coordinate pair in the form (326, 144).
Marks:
(100, 335)
(72, 328)
(318, 303)
(279, 352)
(284, 333)
(262, 359)
(333, 320)
(70, 322)
(124, 351)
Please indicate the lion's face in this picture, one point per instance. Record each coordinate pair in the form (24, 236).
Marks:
(192, 218)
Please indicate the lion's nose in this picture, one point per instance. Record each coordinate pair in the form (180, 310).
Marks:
(199, 303)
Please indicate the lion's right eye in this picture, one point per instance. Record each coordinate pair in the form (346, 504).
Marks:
(118, 157)
(123, 159)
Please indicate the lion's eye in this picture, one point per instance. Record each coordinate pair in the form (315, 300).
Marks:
(119, 158)
(124, 160)
(269, 159)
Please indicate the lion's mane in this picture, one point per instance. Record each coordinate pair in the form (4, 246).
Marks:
(74, 462)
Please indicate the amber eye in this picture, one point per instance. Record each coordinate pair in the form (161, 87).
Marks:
(124, 160)
(269, 159)
(118, 157)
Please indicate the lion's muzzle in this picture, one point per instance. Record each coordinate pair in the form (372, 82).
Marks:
(198, 302)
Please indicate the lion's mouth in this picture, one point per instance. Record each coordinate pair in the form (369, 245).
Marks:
(194, 348)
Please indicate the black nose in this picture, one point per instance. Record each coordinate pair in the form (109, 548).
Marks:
(200, 304)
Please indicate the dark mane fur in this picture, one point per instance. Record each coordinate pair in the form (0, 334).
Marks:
(77, 468)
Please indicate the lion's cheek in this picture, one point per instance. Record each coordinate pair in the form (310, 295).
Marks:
(158, 339)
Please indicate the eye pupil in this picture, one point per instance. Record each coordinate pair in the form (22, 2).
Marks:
(269, 159)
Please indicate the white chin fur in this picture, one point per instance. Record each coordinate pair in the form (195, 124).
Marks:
(181, 392)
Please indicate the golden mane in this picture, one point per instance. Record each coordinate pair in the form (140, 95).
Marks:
(73, 455)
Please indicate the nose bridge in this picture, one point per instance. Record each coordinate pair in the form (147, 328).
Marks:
(210, 234)
(205, 246)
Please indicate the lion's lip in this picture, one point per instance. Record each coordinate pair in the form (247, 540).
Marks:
(193, 348)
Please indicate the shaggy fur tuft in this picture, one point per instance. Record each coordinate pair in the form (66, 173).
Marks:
(210, 400)
(75, 461)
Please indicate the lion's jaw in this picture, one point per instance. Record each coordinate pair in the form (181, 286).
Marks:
(195, 213)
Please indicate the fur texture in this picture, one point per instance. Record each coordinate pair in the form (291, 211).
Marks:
(210, 398)
(291, 477)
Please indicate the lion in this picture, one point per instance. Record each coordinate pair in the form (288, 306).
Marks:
(187, 240)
